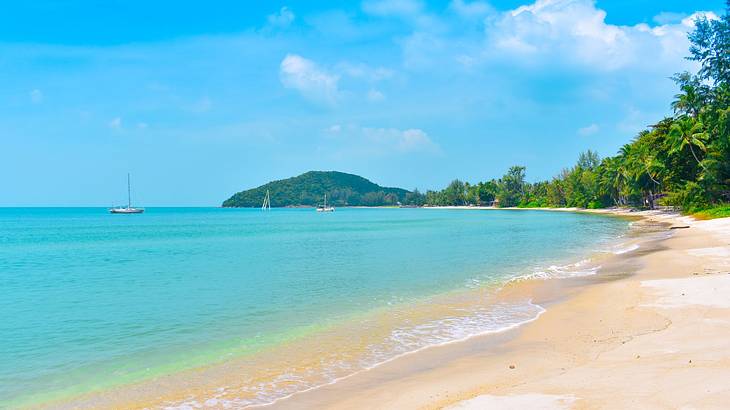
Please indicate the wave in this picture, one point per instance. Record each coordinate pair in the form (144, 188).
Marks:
(401, 341)
(621, 249)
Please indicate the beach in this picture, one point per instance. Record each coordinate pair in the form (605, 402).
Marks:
(649, 332)
(570, 336)
(238, 307)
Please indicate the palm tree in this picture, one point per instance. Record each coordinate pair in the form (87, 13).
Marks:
(687, 131)
(692, 98)
(613, 179)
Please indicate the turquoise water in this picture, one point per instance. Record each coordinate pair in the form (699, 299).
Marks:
(89, 299)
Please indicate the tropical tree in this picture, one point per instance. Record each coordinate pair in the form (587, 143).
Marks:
(688, 132)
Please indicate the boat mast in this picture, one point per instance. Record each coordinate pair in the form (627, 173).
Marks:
(129, 192)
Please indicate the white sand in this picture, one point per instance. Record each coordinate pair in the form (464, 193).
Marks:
(710, 290)
(516, 402)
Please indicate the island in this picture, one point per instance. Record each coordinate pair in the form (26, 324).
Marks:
(308, 189)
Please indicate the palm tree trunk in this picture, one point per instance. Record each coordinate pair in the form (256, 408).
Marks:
(694, 155)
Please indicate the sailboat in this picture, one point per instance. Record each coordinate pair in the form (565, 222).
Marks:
(128, 209)
(325, 208)
(267, 202)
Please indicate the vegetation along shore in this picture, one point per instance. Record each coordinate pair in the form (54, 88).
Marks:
(681, 161)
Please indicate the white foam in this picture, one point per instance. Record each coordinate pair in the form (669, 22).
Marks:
(573, 270)
(402, 341)
(625, 249)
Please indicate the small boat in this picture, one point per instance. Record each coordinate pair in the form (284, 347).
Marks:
(325, 208)
(128, 209)
(267, 202)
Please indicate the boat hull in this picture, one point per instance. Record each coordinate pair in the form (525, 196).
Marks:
(126, 210)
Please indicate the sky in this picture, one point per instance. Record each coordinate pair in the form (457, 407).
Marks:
(198, 100)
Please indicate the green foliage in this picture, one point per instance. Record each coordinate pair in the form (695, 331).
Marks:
(682, 161)
(690, 198)
(308, 190)
(719, 211)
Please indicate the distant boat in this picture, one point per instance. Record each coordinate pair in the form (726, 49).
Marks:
(325, 208)
(128, 209)
(267, 202)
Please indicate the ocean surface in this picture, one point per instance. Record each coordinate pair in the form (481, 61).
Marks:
(91, 301)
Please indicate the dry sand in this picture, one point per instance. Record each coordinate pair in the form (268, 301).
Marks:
(651, 332)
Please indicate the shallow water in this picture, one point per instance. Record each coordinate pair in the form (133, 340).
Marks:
(91, 300)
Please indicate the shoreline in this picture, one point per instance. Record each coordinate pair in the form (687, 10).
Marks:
(202, 383)
(548, 293)
(560, 360)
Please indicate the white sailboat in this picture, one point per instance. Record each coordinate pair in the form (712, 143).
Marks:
(325, 208)
(267, 202)
(128, 209)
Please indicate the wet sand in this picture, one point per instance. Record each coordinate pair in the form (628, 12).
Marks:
(651, 330)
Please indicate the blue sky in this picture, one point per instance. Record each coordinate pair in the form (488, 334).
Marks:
(201, 99)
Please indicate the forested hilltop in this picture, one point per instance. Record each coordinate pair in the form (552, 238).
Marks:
(309, 188)
(682, 160)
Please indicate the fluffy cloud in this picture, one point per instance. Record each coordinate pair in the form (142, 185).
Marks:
(668, 17)
(305, 76)
(409, 140)
(381, 141)
(283, 18)
(576, 32)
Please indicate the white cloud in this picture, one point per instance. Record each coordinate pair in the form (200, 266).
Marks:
(403, 8)
(668, 17)
(471, 9)
(576, 32)
(375, 95)
(308, 78)
(363, 71)
(115, 123)
(36, 96)
(589, 130)
(409, 140)
(356, 140)
(283, 18)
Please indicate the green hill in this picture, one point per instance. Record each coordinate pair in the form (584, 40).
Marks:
(309, 188)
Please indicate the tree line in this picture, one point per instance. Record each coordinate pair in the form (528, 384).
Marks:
(682, 160)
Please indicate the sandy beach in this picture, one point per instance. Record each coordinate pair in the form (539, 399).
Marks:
(649, 331)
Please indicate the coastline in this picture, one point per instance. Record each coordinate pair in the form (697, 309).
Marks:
(653, 327)
(355, 389)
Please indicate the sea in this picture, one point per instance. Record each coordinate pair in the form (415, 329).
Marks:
(260, 305)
